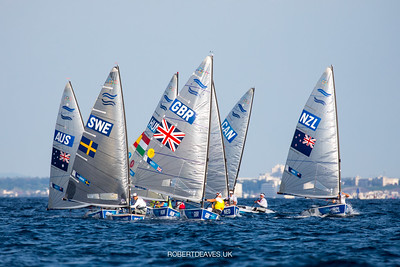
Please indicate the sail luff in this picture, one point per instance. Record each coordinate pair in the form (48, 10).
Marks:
(209, 132)
(126, 142)
(337, 133)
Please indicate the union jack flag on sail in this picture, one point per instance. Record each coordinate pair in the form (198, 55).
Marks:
(169, 135)
(309, 141)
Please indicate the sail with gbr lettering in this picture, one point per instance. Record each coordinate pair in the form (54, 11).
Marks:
(99, 175)
(180, 141)
(67, 134)
(313, 166)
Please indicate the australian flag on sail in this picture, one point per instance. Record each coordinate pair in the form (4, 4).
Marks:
(303, 143)
(169, 135)
(60, 159)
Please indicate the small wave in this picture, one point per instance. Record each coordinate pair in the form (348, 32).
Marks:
(108, 103)
(68, 108)
(241, 108)
(110, 96)
(316, 100)
(166, 98)
(193, 92)
(163, 107)
(235, 115)
(323, 92)
(66, 117)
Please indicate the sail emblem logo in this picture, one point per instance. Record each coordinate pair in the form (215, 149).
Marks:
(228, 131)
(183, 111)
(303, 143)
(88, 147)
(153, 124)
(99, 125)
(169, 135)
(309, 120)
(60, 159)
(63, 138)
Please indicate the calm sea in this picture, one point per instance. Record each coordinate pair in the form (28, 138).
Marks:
(32, 236)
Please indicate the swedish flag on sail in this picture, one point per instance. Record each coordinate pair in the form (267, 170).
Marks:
(88, 147)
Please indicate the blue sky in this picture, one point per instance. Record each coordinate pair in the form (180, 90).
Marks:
(280, 47)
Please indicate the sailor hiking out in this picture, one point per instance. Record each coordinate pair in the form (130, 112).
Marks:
(218, 203)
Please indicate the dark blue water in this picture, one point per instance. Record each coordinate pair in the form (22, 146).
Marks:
(32, 236)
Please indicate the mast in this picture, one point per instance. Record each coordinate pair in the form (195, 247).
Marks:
(244, 142)
(126, 142)
(177, 84)
(337, 133)
(208, 135)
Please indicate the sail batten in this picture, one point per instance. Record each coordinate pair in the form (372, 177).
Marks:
(312, 167)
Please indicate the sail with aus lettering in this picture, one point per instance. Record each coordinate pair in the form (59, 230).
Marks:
(99, 175)
(67, 134)
(140, 154)
(313, 164)
(180, 142)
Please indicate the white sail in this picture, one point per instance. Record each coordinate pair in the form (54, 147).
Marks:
(100, 173)
(138, 153)
(179, 144)
(312, 167)
(234, 129)
(67, 134)
(217, 179)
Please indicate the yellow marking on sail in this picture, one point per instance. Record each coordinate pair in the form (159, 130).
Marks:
(89, 147)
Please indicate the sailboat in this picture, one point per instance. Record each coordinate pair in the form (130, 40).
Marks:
(68, 131)
(181, 145)
(312, 168)
(140, 154)
(234, 129)
(100, 174)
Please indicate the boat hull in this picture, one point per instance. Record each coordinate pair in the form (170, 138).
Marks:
(336, 209)
(163, 213)
(231, 211)
(100, 214)
(200, 214)
(125, 217)
(248, 209)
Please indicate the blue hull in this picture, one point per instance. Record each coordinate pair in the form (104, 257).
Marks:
(125, 217)
(231, 211)
(100, 214)
(164, 213)
(335, 209)
(200, 214)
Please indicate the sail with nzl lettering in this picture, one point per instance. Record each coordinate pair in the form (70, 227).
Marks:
(99, 175)
(68, 131)
(312, 166)
(140, 153)
(234, 130)
(180, 141)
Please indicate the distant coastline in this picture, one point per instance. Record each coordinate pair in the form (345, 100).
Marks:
(361, 188)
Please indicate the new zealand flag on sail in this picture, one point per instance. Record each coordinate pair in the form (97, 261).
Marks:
(60, 159)
(303, 143)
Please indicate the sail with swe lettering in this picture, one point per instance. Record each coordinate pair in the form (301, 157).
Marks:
(217, 178)
(140, 153)
(312, 167)
(180, 141)
(67, 134)
(234, 130)
(100, 173)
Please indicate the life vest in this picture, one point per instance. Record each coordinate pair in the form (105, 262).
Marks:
(219, 205)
